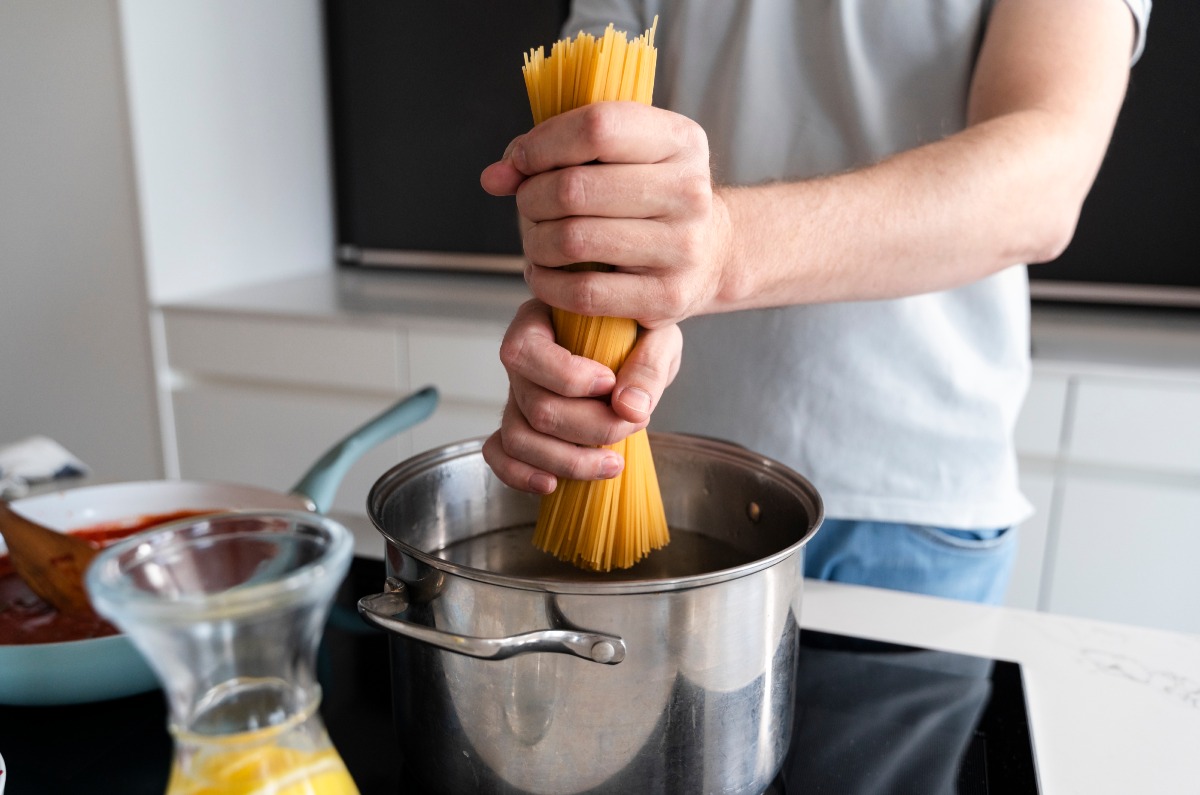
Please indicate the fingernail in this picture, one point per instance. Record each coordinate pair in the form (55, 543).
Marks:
(636, 399)
(516, 155)
(541, 483)
(602, 385)
(609, 467)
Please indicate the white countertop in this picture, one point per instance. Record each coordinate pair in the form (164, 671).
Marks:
(371, 297)
(1102, 340)
(1114, 708)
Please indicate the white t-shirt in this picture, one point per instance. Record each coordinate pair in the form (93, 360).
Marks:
(900, 410)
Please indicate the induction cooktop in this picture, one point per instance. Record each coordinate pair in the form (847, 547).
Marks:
(876, 717)
(870, 717)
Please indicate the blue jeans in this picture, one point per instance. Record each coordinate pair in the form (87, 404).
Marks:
(972, 565)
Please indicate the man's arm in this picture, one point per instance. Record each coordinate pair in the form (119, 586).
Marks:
(629, 185)
(1008, 189)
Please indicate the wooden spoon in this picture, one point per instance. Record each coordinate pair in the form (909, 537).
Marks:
(52, 564)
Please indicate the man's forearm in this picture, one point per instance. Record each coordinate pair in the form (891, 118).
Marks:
(927, 219)
(1006, 190)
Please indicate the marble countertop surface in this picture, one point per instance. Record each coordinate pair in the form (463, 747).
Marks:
(1113, 708)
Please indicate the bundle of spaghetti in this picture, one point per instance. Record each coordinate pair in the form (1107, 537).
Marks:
(612, 523)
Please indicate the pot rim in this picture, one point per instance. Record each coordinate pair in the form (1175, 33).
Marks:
(712, 448)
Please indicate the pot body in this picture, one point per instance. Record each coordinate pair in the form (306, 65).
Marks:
(698, 697)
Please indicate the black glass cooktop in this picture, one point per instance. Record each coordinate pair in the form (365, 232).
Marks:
(870, 718)
(875, 717)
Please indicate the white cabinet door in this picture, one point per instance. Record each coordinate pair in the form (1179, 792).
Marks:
(1128, 551)
(1040, 423)
(286, 351)
(270, 437)
(1038, 438)
(465, 367)
(1025, 588)
(1137, 423)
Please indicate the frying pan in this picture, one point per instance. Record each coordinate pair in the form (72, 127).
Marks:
(95, 669)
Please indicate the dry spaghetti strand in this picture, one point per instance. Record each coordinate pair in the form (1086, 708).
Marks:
(612, 523)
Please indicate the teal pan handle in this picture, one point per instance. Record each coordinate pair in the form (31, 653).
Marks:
(321, 482)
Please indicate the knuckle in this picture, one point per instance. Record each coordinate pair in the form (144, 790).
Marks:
(689, 245)
(598, 125)
(675, 299)
(495, 456)
(542, 416)
(583, 466)
(693, 137)
(579, 380)
(529, 246)
(573, 239)
(572, 191)
(513, 353)
(516, 443)
(615, 433)
(648, 372)
(587, 296)
(695, 190)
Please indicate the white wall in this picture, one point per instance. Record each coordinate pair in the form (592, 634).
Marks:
(149, 152)
(227, 107)
(74, 351)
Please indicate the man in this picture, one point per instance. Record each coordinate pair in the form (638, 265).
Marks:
(839, 199)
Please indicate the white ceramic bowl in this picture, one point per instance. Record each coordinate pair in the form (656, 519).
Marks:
(96, 669)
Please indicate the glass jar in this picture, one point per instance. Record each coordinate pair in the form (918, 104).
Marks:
(228, 609)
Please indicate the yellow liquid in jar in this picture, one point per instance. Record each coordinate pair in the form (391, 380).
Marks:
(264, 770)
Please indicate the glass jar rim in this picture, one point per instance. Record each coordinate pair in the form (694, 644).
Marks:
(112, 591)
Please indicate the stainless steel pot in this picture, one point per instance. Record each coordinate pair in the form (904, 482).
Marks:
(515, 673)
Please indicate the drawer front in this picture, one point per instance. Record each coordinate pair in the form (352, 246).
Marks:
(315, 354)
(270, 437)
(1143, 425)
(462, 365)
(1025, 587)
(1127, 552)
(1040, 423)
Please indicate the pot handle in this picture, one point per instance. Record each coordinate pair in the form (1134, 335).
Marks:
(320, 483)
(380, 609)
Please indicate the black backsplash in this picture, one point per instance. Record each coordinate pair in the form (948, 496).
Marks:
(422, 97)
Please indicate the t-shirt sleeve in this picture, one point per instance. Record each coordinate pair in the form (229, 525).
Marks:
(593, 16)
(1141, 19)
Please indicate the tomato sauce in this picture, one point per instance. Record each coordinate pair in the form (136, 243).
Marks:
(26, 619)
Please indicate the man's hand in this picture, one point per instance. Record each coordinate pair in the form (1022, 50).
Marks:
(561, 406)
(627, 185)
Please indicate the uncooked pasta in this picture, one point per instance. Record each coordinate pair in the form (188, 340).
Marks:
(612, 523)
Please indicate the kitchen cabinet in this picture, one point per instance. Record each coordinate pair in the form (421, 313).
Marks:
(256, 381)
(1025, 588)
(1037, 437)
(1126, 513)
(255, 395)
(1109, 446)
(1127, 551)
